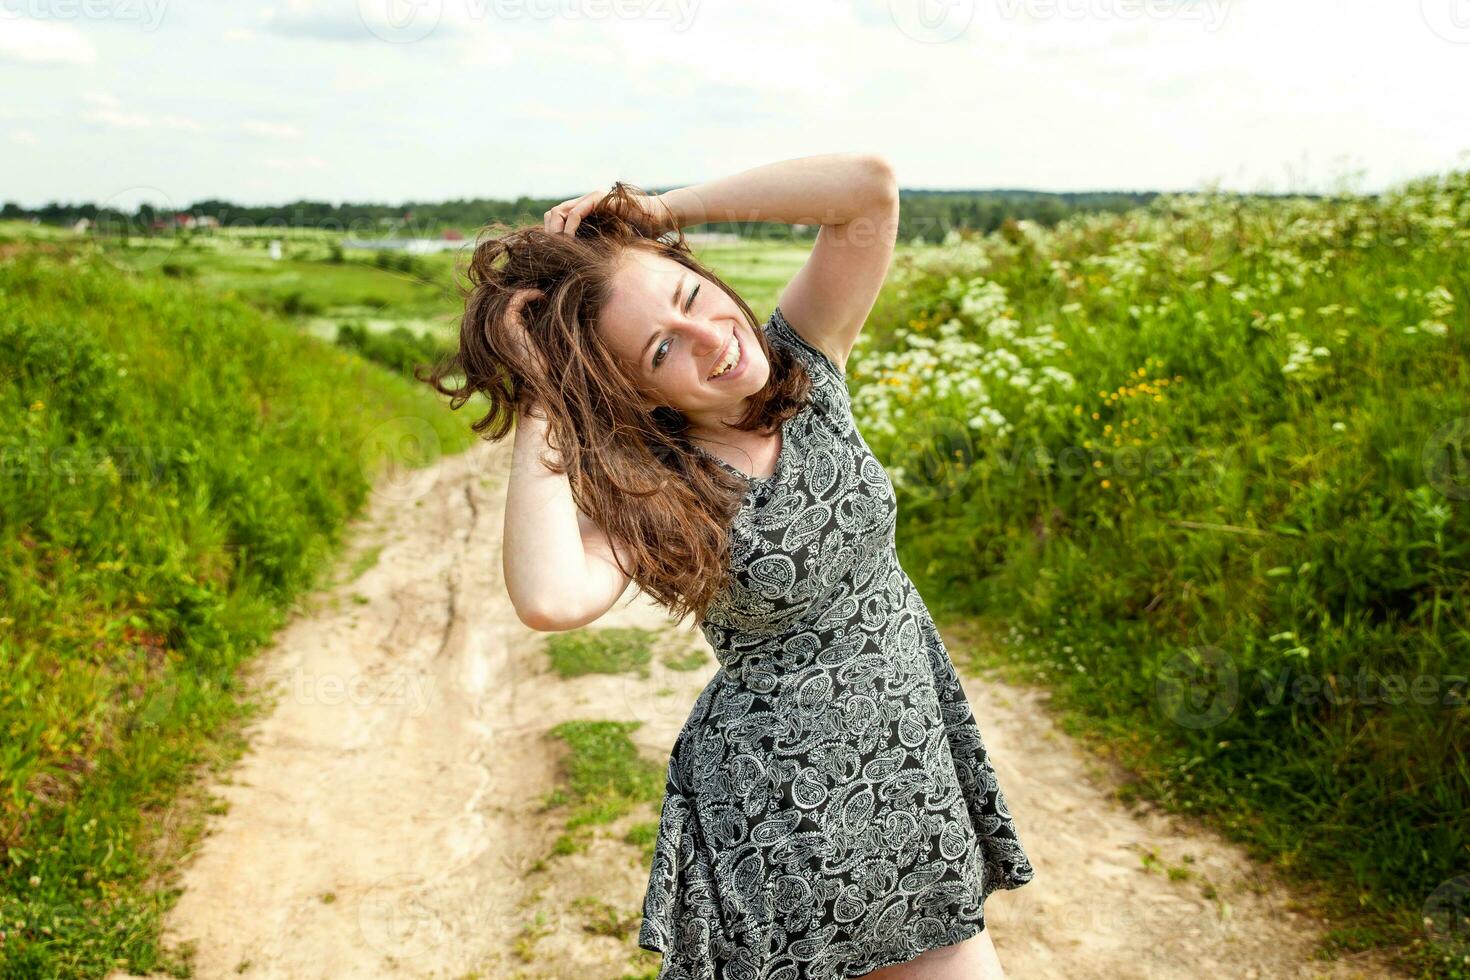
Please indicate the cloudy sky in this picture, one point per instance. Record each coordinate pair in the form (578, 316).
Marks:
(393, 100)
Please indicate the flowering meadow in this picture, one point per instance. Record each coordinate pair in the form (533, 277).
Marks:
(1201, 469)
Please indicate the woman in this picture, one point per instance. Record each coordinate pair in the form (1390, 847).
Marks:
(830, 810)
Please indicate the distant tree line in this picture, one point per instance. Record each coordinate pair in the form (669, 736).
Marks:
(926, 215)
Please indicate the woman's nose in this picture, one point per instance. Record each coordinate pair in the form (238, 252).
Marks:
(706, 338)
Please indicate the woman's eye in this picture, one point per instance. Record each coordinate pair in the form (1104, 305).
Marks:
(660, 352)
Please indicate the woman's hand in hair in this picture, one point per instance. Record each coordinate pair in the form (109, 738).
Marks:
(567, 215)
(516, 333)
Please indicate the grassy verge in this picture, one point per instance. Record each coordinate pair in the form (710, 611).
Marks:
(1206, 460)
(178, 468)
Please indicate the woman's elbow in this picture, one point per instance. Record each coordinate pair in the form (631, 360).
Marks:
(885, 180)
(541, 618)
(549, 617)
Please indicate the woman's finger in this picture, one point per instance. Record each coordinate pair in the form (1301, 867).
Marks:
(582, 206)
(556, 218)
(518, 302)
(525, 295)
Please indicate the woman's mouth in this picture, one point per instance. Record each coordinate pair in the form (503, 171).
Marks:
(733, 363)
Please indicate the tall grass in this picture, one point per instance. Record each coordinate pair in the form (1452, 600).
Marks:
(1205, 465)
(177, 467)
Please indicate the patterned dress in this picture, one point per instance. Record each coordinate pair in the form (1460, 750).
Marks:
(830, 808)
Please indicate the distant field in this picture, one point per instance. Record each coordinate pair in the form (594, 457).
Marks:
(412, 291)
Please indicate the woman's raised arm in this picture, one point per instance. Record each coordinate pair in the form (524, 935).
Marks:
(559, 567)
(853, 196)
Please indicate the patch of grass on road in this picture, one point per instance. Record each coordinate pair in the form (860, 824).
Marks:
(603, 777)
(613, 650)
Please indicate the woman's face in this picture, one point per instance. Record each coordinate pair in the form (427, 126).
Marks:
(675, 330)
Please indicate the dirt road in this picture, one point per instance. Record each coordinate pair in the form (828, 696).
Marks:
(387, 818)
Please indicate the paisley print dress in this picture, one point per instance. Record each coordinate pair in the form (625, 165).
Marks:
(830, 808)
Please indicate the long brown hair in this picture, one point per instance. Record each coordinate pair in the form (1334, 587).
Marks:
(667, 507)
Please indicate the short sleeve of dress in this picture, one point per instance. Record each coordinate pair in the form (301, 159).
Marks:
(829, 382)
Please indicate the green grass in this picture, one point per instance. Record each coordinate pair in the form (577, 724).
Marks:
(1199, 468)
(601, 919)
(367, 560)
(691, 659)
(178, 469)
(399, 349)
(643, 836)
(603, 777)
(606, 650)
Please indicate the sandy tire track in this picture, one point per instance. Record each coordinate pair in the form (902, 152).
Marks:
(401, 771)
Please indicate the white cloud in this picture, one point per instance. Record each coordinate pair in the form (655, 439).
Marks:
(42, 43)
(24, 136)
(118, 119)
(261, 127)
(296, 163)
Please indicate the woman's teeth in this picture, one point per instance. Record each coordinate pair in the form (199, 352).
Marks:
(732, 357)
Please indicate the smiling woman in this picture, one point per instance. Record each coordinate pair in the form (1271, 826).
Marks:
(609, 358)
(830, 809)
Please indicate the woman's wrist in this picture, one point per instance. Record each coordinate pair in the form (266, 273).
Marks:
(667, 214)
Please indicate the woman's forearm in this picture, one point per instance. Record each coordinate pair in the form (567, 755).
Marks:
(543, 559)
(829, 189)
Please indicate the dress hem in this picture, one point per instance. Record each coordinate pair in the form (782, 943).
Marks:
(903, 956)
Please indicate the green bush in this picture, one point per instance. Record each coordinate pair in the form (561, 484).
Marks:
(399, 348)
(297, 303)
